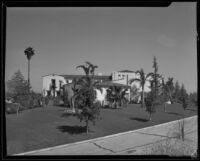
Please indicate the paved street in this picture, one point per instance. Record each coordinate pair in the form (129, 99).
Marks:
(127, 143)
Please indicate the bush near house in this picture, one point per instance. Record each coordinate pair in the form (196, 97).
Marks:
(11, 108)
(26, 102)
(19, 90)
(58, 101)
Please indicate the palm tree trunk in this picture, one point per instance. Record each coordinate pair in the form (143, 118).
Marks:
(150, 116)
(142, 96)
(29, 82)
(87, 128)
(72, 103)
(182, 127)
(28, 76)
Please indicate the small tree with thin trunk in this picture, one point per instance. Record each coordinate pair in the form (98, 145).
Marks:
(176, 93)
(156, 81)
(149, 103)
(85, 96)
(193, 99)
(184, 101)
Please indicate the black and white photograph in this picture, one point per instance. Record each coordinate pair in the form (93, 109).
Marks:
(106, 80)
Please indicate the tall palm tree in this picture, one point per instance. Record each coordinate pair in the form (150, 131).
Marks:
(29, 52)
(142, 80)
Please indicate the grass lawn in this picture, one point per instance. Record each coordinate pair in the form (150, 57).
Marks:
(45, 127)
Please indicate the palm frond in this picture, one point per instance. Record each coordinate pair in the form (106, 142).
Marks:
(86, 70)
(29, 52)
(88, 63)
(134, 80)
(149, 75)
(137, 71)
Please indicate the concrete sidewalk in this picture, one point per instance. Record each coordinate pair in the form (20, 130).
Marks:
(124, 143)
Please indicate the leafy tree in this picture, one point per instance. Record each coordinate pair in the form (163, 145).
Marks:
(18, 88)
(193, 98)
(155, 83)
(164, 94)
(170, 87)
(29, 52)
(85, 96)
(176, 93)
(183, 94)
(142, 80)
(17, 85)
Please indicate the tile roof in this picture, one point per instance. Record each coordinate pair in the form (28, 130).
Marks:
(126, 71)
(104, 77)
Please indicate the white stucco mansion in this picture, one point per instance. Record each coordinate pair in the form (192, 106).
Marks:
(117, 78)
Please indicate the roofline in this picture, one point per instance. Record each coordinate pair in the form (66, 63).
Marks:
(50, 74)
(126, 71)
(74, 75)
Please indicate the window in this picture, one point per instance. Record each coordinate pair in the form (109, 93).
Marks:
(60, 84)
(48, 93)
(53, 82)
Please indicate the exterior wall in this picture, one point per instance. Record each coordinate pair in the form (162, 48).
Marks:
(101, 96)
(47, 82)
(124, 77)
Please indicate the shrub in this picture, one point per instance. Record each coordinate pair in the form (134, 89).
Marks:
(11, 108)
(57, 101)
(170, 147)
(193, 99)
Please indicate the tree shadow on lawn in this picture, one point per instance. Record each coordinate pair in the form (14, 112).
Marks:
(73, 129)
(67, 114)
(191, 109)
(174, 113)
(139, 119)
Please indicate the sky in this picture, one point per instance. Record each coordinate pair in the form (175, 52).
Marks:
(114, 38)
